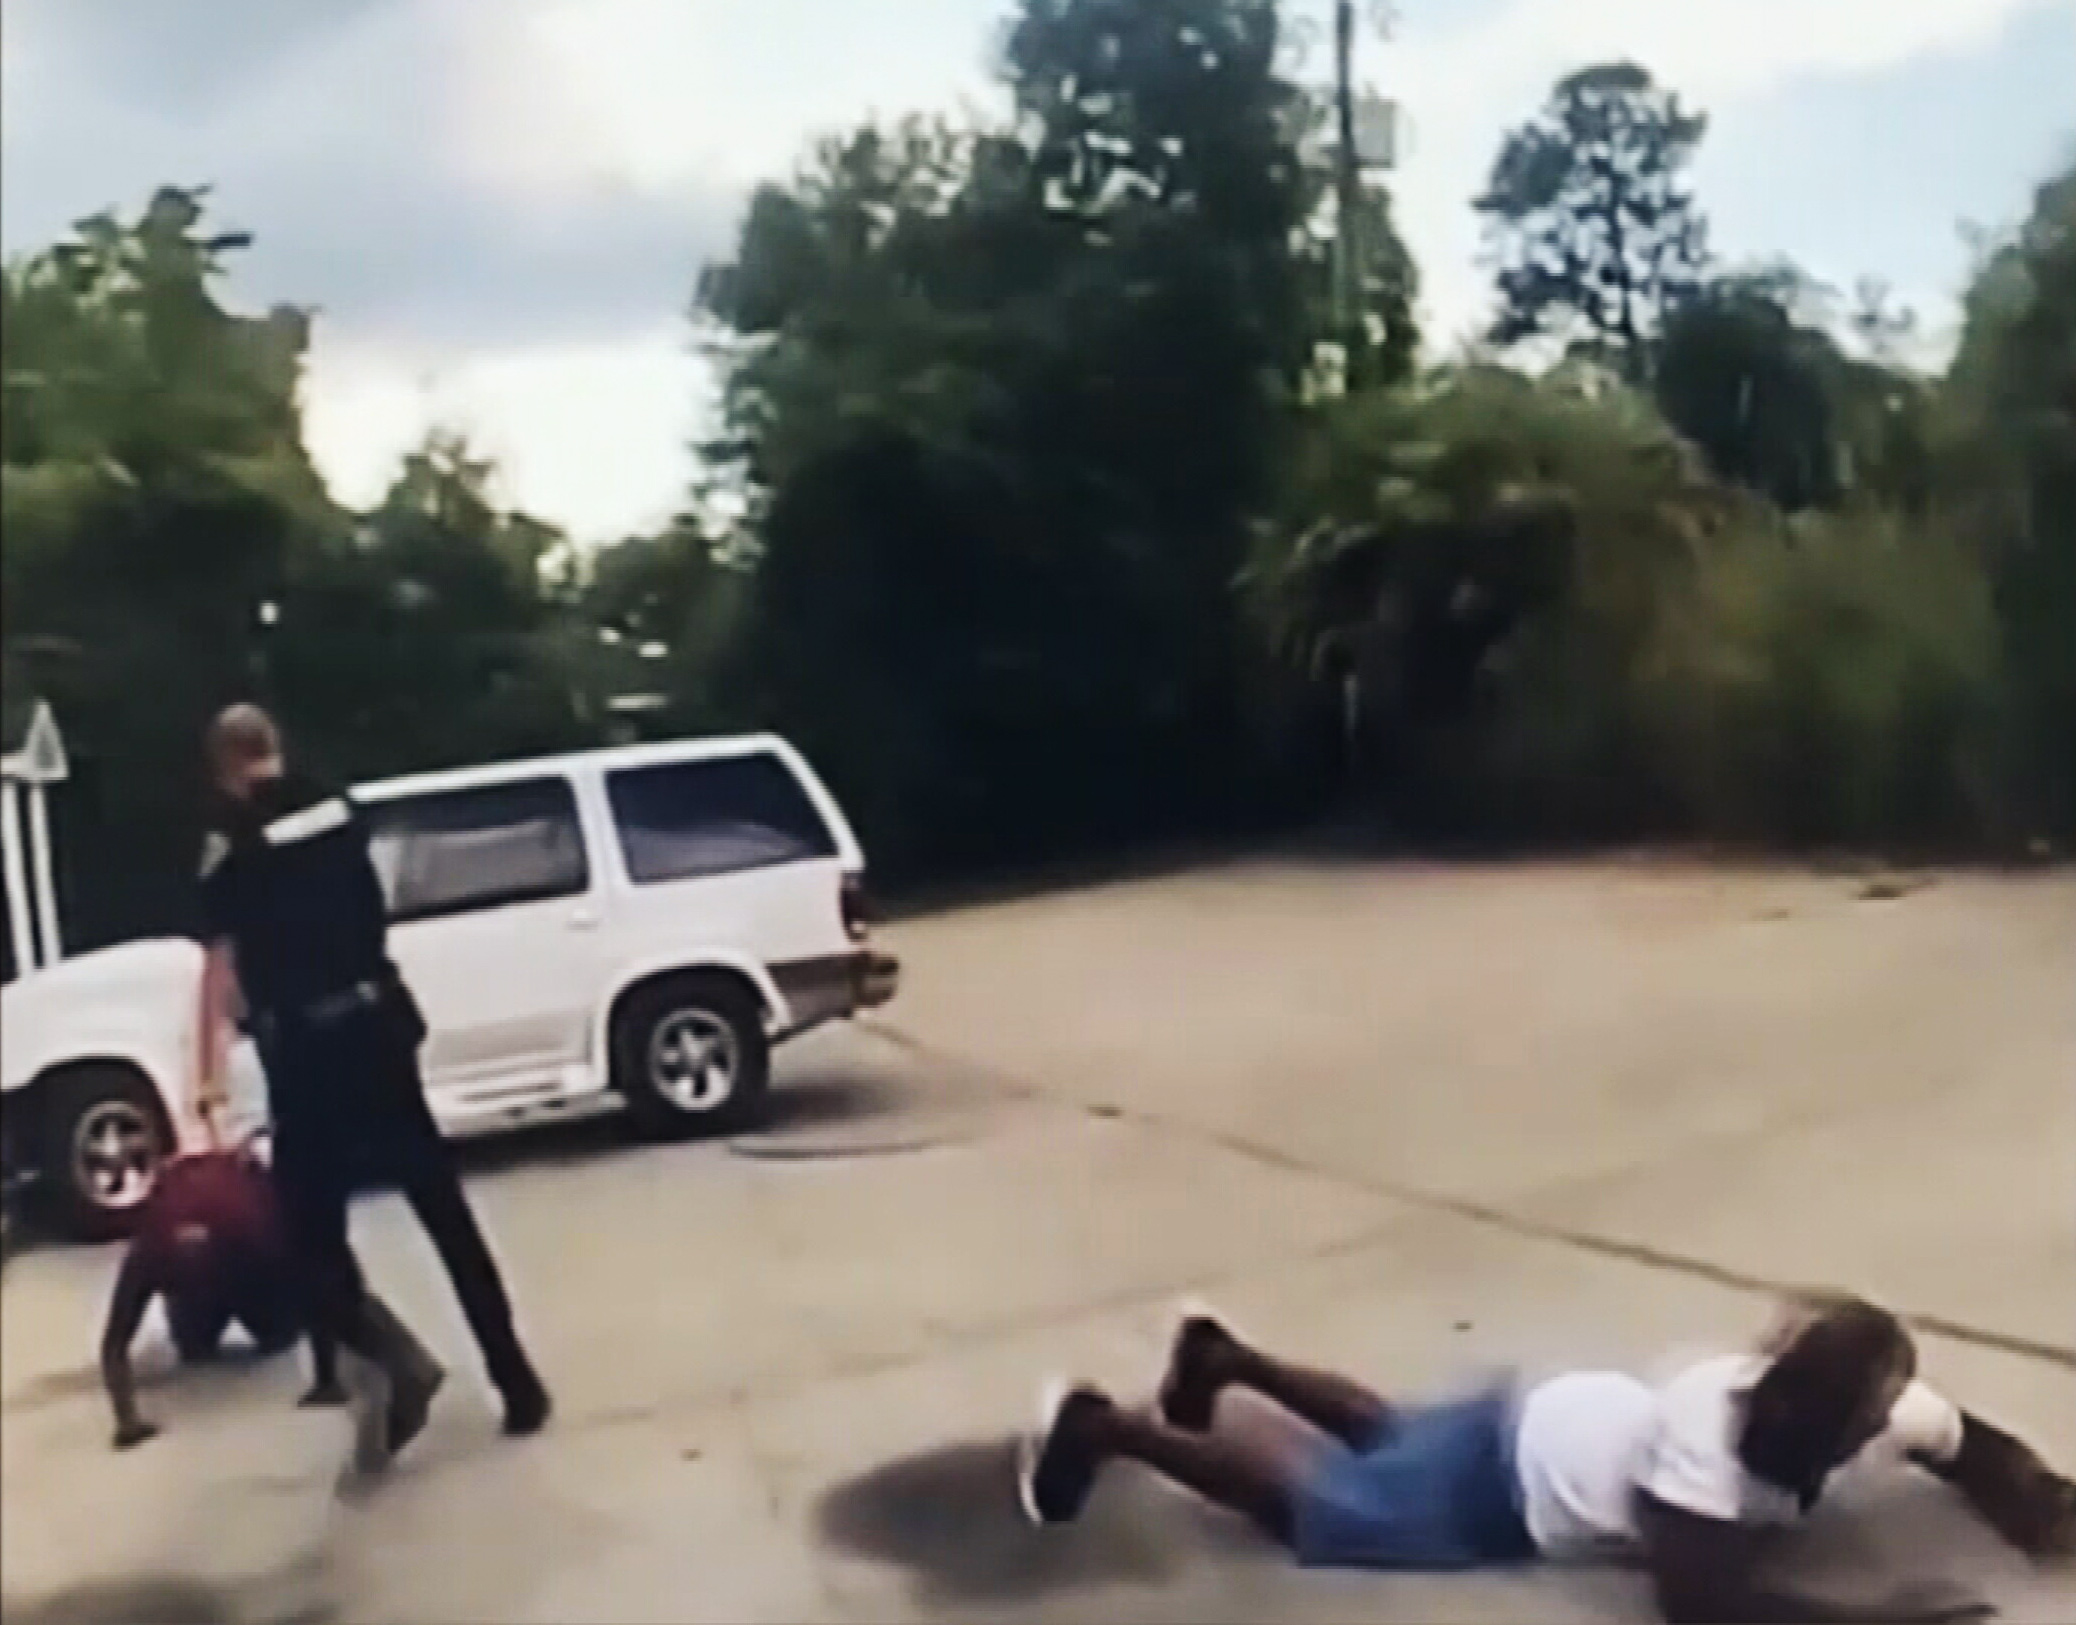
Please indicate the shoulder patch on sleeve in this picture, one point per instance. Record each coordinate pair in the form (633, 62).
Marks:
(214, 850)
(320, 819)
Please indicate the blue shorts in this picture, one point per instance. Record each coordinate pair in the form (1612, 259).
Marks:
(1437, 1490)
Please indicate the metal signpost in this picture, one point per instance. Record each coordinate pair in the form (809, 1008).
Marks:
(32, 895)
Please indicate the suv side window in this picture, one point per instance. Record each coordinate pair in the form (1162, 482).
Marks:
(687, 820)
(454, 851)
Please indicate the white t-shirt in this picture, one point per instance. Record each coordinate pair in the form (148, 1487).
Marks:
(1589, 1440)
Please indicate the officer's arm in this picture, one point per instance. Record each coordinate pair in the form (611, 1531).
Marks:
(135, 1287)
(219, 970)
(213, 1020)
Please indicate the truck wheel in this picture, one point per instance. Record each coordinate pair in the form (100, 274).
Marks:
(103, 1135)
(691, 1056)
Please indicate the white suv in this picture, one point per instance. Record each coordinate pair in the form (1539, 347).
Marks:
(640, 923)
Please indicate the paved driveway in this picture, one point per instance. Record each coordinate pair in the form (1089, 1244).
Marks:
(1411, 1120)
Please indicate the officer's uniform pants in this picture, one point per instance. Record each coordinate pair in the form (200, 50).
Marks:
(349, 1107)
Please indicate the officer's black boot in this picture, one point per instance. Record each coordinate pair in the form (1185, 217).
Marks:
(526, 1397)
(414, 1375)
(393, 1382)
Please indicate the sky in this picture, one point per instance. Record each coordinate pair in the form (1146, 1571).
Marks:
(499, 207)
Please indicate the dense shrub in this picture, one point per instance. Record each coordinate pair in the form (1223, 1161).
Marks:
(1833, 681)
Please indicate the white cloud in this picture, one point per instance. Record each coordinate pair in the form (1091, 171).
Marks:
(1712, 49)
(593, 437)
(556, 97)
(655, 93)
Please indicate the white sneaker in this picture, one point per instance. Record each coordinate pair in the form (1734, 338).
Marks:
(1057, 1462)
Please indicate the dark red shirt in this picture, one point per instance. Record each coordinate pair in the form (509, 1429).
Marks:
(205, 1210)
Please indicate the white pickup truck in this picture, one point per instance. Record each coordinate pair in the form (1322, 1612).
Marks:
(637, 925)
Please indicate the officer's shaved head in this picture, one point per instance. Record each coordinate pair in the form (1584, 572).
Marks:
(243, 745)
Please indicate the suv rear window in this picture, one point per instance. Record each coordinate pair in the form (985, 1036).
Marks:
(454, 851)
(685, 820)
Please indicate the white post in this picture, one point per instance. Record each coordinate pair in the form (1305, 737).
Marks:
(47, 933)
(19, 933)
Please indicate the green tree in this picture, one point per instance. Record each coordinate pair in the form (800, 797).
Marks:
(170, 547)
(1882, 326)
(651, 619)
(1755, 389)
(1751, 370)
(1485, 558)
(1831, 681)
(1589, 219)
(1384, 285)
(1181, 107)
(2008, 471)
(1175, 104)
(1003, 405)
(155, 489)
(436, 592)
(876, 282)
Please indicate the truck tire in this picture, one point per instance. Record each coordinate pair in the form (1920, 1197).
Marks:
(102, 1134)
(690, 1055)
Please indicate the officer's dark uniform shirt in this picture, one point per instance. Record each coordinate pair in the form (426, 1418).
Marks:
(287, 879)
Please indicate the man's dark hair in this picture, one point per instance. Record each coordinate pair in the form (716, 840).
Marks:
(1809, 1412)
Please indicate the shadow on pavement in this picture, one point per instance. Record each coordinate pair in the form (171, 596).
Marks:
(827, 1100)
(1903, 1523)
(172, 1601)
(797, 1107)
(833, 1115)
(828, 1112)
(828, 1109)
(949, 1516)
(155, 1367)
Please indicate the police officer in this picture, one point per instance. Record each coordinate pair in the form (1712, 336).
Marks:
(294, 920)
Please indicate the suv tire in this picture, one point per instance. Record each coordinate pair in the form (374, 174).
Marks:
(691, 1056)
(101, 1134)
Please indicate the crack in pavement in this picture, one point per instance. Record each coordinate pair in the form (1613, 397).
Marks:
(1488, 1215)
(738, 1402)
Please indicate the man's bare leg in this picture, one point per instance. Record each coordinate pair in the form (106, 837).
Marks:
(1206, 1359)
(1250, 1471)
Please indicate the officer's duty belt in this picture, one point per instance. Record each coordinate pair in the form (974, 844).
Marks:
(323, 1012)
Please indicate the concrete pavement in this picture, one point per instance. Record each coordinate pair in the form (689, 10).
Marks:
(1412, 1121)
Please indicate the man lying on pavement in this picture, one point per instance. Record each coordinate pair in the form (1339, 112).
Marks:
(1694, 1477)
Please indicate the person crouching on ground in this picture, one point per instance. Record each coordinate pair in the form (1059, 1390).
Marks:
(1693, 1477)
(209, 1244)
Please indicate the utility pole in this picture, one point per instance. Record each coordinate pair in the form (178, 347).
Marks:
(1366, 124)
(1348, 180)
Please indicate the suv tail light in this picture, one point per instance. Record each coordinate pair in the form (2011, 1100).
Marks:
(859, 915)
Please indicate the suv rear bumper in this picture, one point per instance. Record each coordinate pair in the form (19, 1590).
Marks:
(875, 979)
(828, 989)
